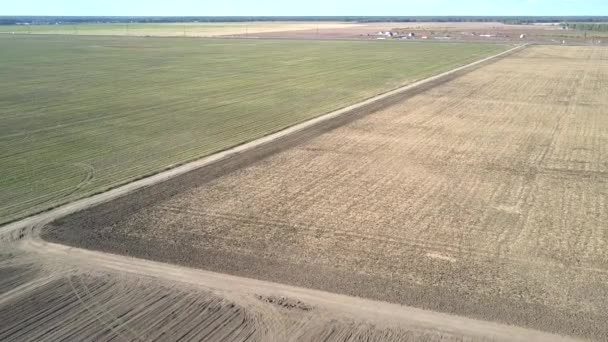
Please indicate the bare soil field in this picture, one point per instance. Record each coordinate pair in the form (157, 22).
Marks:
(50, 291)
(84, 295)
(172, 29)
(458, 31)
(484, 197)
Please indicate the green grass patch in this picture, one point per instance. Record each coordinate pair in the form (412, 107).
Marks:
(79, 115)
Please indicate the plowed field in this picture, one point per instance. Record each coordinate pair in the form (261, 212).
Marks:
(485, 196)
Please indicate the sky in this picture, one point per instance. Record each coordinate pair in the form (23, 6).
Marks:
(302, 7)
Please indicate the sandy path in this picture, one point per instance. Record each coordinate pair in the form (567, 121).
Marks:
(237, 288)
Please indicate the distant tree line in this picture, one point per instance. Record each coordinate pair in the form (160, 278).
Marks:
(522, 20)
(601, 27)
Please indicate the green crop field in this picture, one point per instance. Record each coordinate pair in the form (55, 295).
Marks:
(80, 115)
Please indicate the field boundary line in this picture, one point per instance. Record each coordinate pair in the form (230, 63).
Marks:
(19, 229)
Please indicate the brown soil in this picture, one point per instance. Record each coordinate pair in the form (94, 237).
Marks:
(50, 292)
(85, 295)
(484, 196)
(469, 32)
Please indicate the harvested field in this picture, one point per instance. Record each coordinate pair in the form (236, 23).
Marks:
(484, 197)
(459, 31)
(80, 115)
(173, 29)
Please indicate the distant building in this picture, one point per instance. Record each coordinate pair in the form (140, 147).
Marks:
(386, 34)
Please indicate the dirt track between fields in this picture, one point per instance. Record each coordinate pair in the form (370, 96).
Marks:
(103, 290)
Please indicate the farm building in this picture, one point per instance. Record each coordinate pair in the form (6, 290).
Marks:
(386, 34)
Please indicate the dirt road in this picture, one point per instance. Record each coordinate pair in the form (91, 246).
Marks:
(90, 295)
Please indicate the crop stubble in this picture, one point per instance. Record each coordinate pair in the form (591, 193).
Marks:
(485, 196)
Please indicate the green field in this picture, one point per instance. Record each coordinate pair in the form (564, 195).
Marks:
(80, 115)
